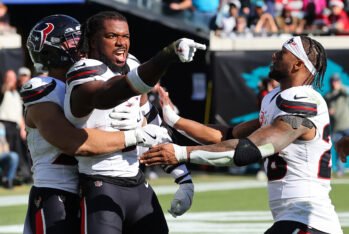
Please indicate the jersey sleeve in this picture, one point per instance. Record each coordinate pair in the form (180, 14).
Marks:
(132, 62)
(87, 70)
(43, 89)
(296, 102)
(305, 102)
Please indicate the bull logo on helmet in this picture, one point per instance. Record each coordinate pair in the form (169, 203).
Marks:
(38, 37)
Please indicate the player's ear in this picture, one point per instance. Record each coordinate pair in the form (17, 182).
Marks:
(298, 65)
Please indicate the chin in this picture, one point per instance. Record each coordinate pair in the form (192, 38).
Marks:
(120, 64)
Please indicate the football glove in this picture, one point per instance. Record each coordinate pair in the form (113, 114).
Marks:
(182, 199)
(126, 116)
(151, 135)
(186, 48)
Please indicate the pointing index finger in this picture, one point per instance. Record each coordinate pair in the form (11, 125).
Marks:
(200, 46)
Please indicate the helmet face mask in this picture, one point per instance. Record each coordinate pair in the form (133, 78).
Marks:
(52, 42)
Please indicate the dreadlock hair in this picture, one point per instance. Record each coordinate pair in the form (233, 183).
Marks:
(93, 25)
(317, 56)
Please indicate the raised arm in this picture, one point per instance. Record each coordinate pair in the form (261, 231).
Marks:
(101, 94)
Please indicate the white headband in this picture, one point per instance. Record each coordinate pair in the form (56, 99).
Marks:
(295, 46)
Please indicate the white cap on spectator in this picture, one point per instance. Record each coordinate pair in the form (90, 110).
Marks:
(337, 3)
(24, 71)
(235, 2)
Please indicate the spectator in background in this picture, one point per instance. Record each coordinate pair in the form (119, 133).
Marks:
(245, 8)
(4, 17)
(177, 8)
(242, 30)
(337, 21)
(270, 7)
(223, 10)
(338, 103)
(11, 115)
(203, 11)
(262, 21)
(296, 7)
(5, 26)
(8, 160)
(24, 75)
(314, 11)
(308, 22)
(286, 22)
(227, 21)
(319, 6)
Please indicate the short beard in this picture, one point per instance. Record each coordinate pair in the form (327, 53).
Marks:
(114, 68)
(277, 75)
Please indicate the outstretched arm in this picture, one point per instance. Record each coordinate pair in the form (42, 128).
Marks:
(262, 143)
(194, 130)
(204, 134)
(107, 94)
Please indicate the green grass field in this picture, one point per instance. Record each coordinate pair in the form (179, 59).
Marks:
(206, 202)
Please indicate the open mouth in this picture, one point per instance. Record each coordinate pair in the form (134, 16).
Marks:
(120, 56)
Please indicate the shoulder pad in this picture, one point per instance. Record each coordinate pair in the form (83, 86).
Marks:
(42, 89)
(132, 61)
(298, 101)
(85, 68)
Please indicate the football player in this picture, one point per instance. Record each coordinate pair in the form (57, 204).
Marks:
(292, 135)
(53, 201)
(94, 92)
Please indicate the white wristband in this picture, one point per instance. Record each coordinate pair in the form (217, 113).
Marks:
(130, 138)
(137, 83)
(170, 115)
(180, 153)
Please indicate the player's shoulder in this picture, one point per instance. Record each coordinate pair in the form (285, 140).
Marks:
(86, 68)
(300, 100)
(86, 62)
(132, 61)
(132, 58)
(40, 89)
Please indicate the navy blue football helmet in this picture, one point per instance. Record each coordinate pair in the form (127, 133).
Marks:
(52, 41)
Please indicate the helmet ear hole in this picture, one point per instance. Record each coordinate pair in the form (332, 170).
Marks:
(45, 41)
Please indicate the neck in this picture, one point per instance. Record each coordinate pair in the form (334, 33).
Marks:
(297, 79)
(58, 73)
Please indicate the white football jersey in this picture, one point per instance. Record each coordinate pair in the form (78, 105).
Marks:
(299, 176)
(51, 168)
(116, 164)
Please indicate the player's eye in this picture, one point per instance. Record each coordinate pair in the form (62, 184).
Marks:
(110, 36)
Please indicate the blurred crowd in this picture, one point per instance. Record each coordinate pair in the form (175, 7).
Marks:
(5, 26)
(247, 18)
(14, 156)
